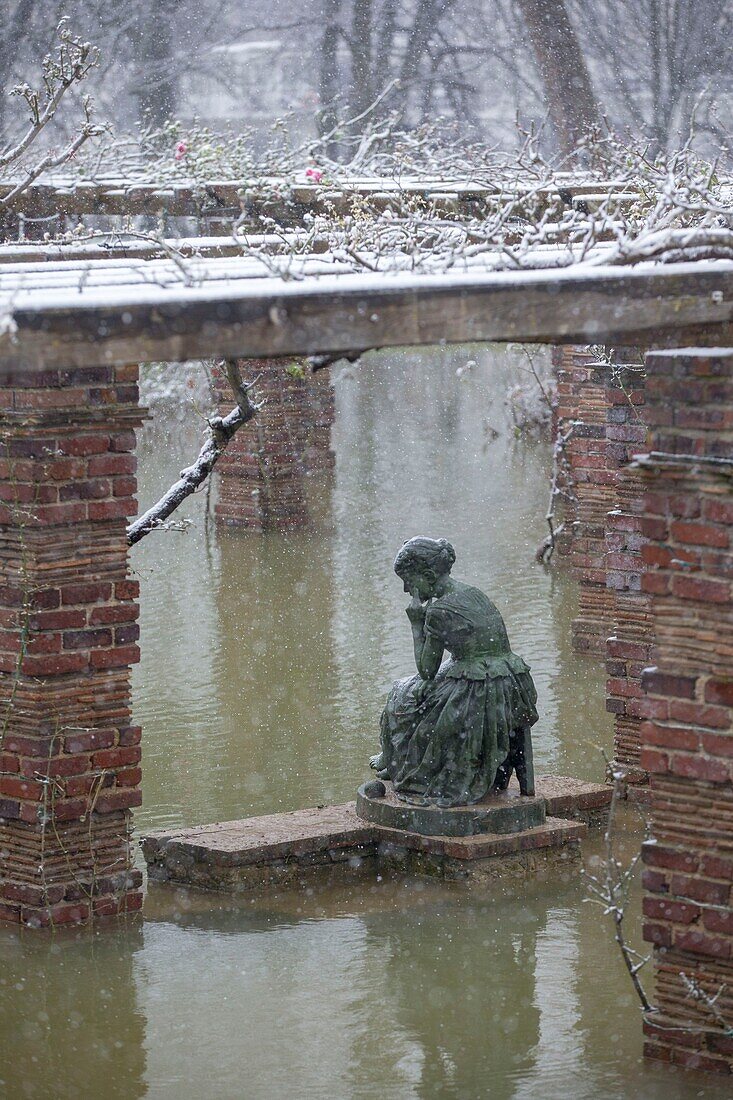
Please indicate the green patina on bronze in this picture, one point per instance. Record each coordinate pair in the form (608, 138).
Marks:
(458, 729)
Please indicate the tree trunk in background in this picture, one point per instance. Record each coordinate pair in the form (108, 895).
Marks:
(361, 57)
(328, 77)
(570, 97)
(157, 84)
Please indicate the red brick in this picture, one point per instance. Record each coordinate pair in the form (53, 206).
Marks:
(717, 921)
(114, 658)
(699, 534)
(87, 639)
(706, 591)
(116, 758)
(32, 746)
(697, 714)
(678, 912)
(57, 620)
(56, 766)
(123, 441)
(131, 736)
(88, 740)
(718, 511)
(670, 737)
(129, 777)
(9, 762)
(86, 593)
(657, 855)
(655, 583)
(118, 799)
(54, 664)
(85, 445)
(112, 464)
(717, 744)
(700, 889)
(127, 590)
(70, 809)
(699, 767)
(117, 613)
(716, 867)
(124, 486)
(701, 944)
(110, 509)
(719, 691)
(665, 683)
(659, 934)
(15, 787)
(654, 881)
(655, 762)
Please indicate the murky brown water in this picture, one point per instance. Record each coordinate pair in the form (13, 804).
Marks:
(265, 664)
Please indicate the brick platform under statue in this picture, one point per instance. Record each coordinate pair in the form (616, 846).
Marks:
(282, 849)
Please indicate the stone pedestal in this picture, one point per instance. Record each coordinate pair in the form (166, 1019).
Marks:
(288, 849)
(501, 812)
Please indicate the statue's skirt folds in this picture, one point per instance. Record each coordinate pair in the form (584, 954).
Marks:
(447, 745)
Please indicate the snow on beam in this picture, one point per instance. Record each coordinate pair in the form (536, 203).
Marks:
(263, 317)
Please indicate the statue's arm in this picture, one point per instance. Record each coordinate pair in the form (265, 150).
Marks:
(429, 659)
(427, 645)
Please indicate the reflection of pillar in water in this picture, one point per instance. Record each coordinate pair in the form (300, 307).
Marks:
(459, 981)
(74, 1028)
(276, 679)
(262, 472)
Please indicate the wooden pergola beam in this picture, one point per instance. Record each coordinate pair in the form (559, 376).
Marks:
(252, 317)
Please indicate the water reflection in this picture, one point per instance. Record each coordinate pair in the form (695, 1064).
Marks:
(70, 1018)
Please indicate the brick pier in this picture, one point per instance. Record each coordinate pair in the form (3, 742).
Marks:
(69, 759)
(687, 738)
(262, 474)
(603, 406)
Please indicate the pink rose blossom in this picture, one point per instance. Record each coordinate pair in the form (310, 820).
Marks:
(314, 174)
(181, 150)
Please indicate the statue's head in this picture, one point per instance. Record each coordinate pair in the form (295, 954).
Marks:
(422, 563)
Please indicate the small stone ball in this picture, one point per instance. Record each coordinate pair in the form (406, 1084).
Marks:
(375, 789)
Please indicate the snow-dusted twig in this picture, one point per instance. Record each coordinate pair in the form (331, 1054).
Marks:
(221, 431)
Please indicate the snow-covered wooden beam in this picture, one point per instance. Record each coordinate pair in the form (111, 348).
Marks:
(120, 321)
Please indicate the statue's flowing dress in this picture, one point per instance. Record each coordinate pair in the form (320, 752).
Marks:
(448, 746)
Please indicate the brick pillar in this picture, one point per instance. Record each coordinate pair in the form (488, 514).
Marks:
(69, 762)
(688, 735)
(629, 648)
(261, 474)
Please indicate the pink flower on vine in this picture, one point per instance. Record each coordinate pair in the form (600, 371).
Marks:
(181, 150)
(314, 174)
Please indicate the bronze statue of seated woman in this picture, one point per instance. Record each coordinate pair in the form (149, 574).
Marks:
(458, 729)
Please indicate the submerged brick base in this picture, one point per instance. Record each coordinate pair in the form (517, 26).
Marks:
(281, 848)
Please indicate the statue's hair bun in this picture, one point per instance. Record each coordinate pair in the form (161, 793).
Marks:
(438, 554)
(447, 553)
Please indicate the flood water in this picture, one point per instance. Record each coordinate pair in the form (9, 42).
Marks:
(265, 665)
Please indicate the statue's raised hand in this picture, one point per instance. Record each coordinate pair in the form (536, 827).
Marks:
(416, 610)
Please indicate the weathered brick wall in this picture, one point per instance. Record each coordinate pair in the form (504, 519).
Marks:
(70, 758)
(629, 647)
(602, 404)
(262, 472)
(688, 733)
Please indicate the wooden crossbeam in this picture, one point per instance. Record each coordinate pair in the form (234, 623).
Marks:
(260, 317)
